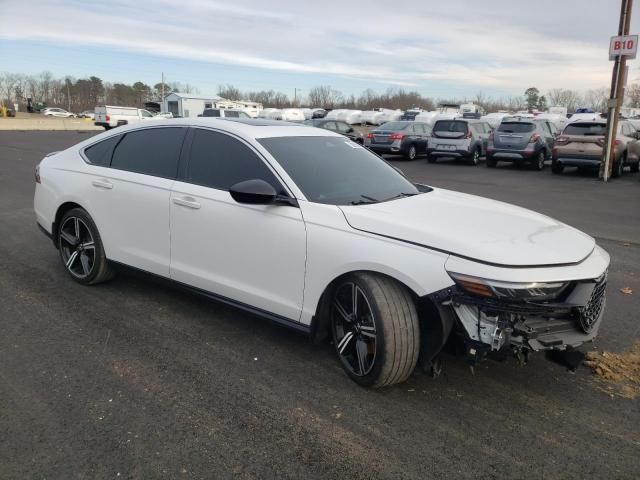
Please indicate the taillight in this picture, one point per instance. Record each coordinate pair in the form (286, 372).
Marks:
(534, 138)
(601, 142)
(107, 118)
(37, 173)
(561, 140)
(396, 136)
(369, 135)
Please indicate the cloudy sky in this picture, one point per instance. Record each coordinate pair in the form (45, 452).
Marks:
(440, 48)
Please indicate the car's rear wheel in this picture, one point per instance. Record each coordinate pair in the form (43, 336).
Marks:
(431, 159)
(411, 153)
(618, 167)
(491, 162)
(635, 167)
(539, 161)
(81, 249)
(375, 329)
(557, 167)
(475, 156)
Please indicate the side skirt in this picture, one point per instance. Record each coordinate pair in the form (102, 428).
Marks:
(280, 320)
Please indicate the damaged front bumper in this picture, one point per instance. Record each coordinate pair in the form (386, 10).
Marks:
(494, 325)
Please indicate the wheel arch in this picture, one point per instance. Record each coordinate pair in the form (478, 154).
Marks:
(435, 324)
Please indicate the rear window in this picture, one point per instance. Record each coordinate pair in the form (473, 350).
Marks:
(394, 126)
(516, 127)
(585, 129)
(211, 113)
(450, 128)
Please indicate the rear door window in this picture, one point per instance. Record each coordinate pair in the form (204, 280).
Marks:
(450, 128)
(212, 112)
(586, 128)
(220, 161)
(153, 151)
(100, 153)
(230, 114)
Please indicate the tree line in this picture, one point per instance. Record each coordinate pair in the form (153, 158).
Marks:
(85, 93)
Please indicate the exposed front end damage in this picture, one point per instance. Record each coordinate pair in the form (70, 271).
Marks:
(501, 325)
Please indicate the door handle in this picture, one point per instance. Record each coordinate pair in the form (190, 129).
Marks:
(102, 183)
(188, 202)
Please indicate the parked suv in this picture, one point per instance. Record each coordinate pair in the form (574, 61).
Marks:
(225, 113)
(459, 138)
(521, 140)
(402, 137)
(581, 143)
(337, 126)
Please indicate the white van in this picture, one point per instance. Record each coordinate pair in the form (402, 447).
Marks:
(108, 116)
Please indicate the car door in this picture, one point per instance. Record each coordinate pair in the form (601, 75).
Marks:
(547, 133)
(252, 254)
(346, 130)
(129, 201)
(633, 147)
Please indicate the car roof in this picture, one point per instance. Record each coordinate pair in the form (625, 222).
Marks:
(243, 127)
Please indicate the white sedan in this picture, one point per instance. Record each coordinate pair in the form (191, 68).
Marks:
(57, 112)
(313, 231)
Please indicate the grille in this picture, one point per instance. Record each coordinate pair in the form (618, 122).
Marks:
(590, 313)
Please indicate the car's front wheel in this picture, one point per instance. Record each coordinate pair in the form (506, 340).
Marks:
(375, 329)
(81, 249)
(475, 156)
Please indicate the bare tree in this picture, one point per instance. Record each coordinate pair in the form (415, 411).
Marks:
(633, 95)
(230, 92)
(564, 98)
(597, 99)
(324, 96)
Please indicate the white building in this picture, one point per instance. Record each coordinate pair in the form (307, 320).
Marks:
(187, 105)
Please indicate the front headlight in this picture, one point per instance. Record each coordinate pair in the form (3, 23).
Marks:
(537, 291)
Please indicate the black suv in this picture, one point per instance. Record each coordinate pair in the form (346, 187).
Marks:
(342, 128)
(524, 140)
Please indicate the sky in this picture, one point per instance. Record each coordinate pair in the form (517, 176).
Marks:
(442, 49)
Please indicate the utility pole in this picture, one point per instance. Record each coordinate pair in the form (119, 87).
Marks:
(617, 95)
(295, 96)
(68, 96)
(162, 88)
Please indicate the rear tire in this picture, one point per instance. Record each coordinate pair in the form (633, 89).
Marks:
(431, 159)
(539, 161)
(491, 162)
(81, 249)
(379, 344)
(557, 168)
(635, 167)
(411, 153)
(475, 157)
(618, 167)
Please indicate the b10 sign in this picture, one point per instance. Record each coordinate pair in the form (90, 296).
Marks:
(626, 45)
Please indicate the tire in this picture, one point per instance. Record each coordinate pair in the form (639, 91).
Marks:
(635, 167)
(386, 323)
(557, 168)
(491, 162)
(411, 153)
(475, 157)
(77, 236)
(618, 167)
(431, 159)
(538, 164)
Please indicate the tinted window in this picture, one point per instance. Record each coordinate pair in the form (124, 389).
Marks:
(220, 161)
(230, 114)
(450, 128)
(153, 151)
(337, 171)
(343, 127)
(586, 128)
(211, 112)
(100, 153)
(516, 127)
(394, 126)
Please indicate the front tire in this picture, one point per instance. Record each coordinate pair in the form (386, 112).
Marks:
(475, 157)
(539, 161)
(618, 167)
(375, 329)
(81, 249)
(491, 162)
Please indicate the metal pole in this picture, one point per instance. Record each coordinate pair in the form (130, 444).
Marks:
(617, 95)
(162, 87)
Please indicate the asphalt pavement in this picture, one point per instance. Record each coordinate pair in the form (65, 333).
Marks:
(134, 379)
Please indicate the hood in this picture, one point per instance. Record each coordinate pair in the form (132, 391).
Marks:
(474, 227)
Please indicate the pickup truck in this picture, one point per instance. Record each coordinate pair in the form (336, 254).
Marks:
(108, 116)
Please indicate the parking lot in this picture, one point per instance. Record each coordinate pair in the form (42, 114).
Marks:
(133, 379)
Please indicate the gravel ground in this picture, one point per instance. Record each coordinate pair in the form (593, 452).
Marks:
(134, 379)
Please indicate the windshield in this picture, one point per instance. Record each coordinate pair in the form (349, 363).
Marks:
(516, 127)
(337, 171)
(393, 126)
(585, 129)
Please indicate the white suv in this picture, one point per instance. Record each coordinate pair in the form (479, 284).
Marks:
(313, 231)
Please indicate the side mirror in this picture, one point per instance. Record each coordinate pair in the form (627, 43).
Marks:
(256, 192)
